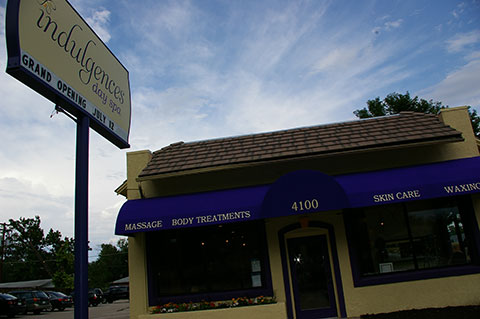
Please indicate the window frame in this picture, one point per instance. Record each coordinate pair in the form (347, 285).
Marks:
(154, 299)
(472, 233)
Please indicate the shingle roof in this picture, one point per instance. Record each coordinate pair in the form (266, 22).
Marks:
(406, 128)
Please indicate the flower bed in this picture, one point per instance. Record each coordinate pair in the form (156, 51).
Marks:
(204, 305)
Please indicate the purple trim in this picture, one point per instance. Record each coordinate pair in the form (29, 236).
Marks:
(11, 33)
(283, 255)
(416, 275)
(314, 313)
(336, 265)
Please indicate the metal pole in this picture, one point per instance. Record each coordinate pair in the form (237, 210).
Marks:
(81, 219)
(2, 250)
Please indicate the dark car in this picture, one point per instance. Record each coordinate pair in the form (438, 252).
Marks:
(59, 300)
(11, 305)
(116, 293)
(99, 293)
(37, 301)
(93, 299)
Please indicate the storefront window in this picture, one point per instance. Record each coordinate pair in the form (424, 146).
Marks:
(414, 236)
(204, 261)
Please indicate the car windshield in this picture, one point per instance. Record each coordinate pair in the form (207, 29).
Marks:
(7, 296)
(40, 294)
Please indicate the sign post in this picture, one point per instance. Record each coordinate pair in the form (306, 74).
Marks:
(52, 50)
(81, 219)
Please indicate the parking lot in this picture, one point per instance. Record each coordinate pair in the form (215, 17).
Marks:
(119, 310)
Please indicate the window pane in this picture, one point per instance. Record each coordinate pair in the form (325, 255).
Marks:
(414, 235)
(438, 236)
(383, 240)
(207, 259)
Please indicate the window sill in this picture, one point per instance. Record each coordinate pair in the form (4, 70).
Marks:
(415, 275)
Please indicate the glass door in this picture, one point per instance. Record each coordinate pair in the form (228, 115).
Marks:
(312, 282)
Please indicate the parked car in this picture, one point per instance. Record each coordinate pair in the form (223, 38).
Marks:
(37, 301)
(59, 300)
(11, 305)
(99, 293)
(93, 299)
(116, 293)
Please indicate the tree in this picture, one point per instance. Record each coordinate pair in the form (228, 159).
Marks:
(63, 254)
(395, 103)
(112, 264)
(25, 258)
(30, 255)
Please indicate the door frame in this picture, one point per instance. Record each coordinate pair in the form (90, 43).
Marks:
(339, 296)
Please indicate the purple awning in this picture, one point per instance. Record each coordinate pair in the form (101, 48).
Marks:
(450, 178)
(301, 192)
(199, 209)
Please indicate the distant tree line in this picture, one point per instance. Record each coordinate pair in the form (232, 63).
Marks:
(26, 253)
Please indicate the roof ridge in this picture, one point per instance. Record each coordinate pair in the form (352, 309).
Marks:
(215, 139)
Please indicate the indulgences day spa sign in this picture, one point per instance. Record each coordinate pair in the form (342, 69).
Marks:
(52, 50)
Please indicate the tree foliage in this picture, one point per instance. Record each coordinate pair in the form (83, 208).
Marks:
(395, 103)
(29, 254)
(112, 264)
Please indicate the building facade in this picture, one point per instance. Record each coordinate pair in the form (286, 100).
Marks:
(336, 220)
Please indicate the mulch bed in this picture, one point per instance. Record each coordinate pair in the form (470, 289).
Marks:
(464, 312)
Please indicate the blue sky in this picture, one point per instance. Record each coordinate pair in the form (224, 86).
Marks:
(202, 69)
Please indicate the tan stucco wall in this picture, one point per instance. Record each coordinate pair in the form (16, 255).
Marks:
(458, 290)
(459, 119)
(137, 266)
(136, 162)
(440, 292)
(137, 270)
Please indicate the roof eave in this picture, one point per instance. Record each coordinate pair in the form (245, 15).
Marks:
(122, 189)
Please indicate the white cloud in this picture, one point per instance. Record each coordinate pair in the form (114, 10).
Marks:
(99, 22)
(387, 26)
(459, 87)
(463, 40)
(24, 198)
(458, 10)
(393, 24)
(473, 56)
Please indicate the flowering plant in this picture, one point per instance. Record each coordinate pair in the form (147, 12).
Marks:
(191, 306)
(260, 300)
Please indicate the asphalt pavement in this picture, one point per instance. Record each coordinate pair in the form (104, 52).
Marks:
(120, 309)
